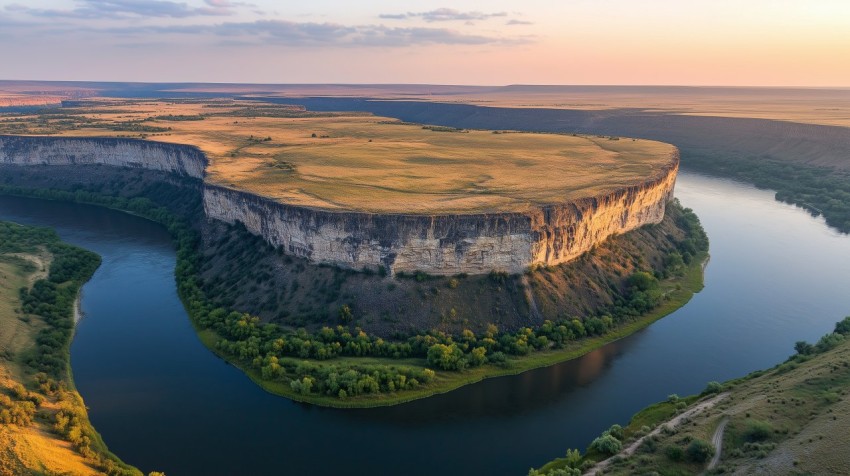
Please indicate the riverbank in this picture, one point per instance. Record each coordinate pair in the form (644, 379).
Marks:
(45, 423)
(789, 419)
(677, 291)
(404, 373)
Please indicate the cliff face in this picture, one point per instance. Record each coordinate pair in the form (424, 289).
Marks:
(447, 244)
(179, 159)
(439, 244)
(434, 244)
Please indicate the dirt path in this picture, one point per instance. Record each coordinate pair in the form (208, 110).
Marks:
(717, 441)
(600, 467)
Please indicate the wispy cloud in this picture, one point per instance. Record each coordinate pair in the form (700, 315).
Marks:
(289, 33)
(513, 22)
(443, 14)
(96, 9)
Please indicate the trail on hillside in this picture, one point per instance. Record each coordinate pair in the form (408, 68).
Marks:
(717, 441)
(600, 467)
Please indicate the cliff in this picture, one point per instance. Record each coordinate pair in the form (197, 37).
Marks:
(447, 244)
(178, 159)
(435, 244)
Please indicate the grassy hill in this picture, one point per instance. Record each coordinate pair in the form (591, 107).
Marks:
(44, 427)
(791, 419)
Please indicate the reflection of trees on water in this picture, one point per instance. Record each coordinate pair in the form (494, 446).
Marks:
(501, 397)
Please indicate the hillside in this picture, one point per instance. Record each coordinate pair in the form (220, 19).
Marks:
(790, 419)
(44, 427)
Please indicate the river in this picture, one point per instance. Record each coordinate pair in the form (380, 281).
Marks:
(164, 402)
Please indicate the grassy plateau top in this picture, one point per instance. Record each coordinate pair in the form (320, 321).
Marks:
(358, 162)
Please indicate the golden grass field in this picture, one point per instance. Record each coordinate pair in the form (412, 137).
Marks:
(359, 162)
(808, 106)
(34, 448)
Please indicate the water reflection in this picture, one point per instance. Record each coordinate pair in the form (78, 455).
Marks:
(159, 398)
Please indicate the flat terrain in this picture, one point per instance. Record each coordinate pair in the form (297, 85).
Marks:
(803, 105)
(353, 161)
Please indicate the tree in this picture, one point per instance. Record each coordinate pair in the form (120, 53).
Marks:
(642, 281)
(447, 357)
(803, 348)
(345, 314)
(843, 327)
(478, 356)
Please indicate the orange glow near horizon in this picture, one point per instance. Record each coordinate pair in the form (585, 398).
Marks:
(659, 42)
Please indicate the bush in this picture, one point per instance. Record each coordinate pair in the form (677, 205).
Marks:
(699, 451)
(606, 444)
(843, 327)
(757, 430)
(616, 431)
(674, 453)
(713, 387)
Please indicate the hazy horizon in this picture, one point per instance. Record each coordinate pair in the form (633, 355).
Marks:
(778, 44)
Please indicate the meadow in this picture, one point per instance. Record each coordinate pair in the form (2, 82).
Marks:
(355, 161)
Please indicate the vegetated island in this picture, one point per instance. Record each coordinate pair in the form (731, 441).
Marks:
(790, 419)
(44, 426)
(325, 333)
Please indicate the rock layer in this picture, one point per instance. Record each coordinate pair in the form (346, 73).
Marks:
(435, 244)
(174, 158)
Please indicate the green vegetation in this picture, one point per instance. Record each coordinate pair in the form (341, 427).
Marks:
(265, 350)
(331, 366)
(790, 419)
(820, 190)
(40, 411)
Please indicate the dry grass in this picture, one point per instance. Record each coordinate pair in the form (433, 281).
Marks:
(804, 405)
(16, 271)
(375, 164)
(809, 106)
(31, 449)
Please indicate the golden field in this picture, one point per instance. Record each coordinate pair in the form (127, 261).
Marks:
(352, 161)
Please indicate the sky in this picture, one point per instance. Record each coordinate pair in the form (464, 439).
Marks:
(494, 42)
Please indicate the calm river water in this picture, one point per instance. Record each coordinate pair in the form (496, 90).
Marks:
(163, 402)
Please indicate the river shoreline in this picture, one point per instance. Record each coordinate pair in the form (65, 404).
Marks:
(688, 285)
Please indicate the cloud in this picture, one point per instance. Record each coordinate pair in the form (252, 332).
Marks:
(96, 9)
(443, 14)
(290, 33)
(518, 22)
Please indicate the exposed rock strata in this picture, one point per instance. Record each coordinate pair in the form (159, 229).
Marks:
(438, 244)
(174, 158)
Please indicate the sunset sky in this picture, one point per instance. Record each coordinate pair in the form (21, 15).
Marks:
(695, 42)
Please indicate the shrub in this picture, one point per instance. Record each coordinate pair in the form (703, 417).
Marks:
(713, 387)
(606, 444)
(757, 430)
(674, 453)
(843, 327)
(699, 451)
(616, 431)
(642, 281)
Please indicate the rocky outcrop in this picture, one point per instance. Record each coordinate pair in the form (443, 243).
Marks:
(435, 244)
(447, 244)
(174, 158)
